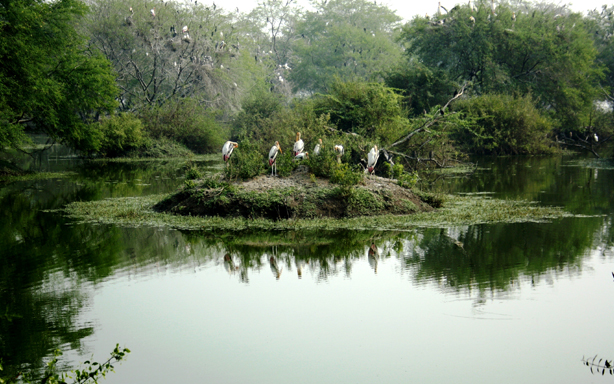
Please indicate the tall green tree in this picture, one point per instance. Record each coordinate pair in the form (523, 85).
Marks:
(49, 79)
(344, 39)
(523, 48)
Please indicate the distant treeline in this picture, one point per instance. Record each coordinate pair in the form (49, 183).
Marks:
(155, 78)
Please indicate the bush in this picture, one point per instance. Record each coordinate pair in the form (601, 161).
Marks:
(186, 122)
(371, 110)
(120, 134)
(247, 161)
(408, 180)
(345, 175)
(504, 125)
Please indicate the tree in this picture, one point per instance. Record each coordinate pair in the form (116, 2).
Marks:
(166, 51)
(345, 39)
(530, 49)
(49, 79)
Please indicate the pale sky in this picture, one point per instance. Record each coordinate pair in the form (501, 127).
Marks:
(407, 9)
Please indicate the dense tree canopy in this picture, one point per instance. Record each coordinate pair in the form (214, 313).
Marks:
(49, 79)
(345, 39)
(545, 51)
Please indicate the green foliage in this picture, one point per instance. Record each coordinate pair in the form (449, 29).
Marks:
(368, 109)
(363, 202)
(186, 122)
(503, 124)
(120, 133)
(192, 172)
(397, 171)
(285, 164)
(422, 87)
(189, 184)
(408, 180)
(92, 370)
(247, 161)
(159, 148)
(344, 39)
(346, 175)
(546, 51)
(49, 79)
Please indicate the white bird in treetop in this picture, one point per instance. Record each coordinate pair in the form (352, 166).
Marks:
(299, 145)
(316, 150)
(596, 137)
(227, 149)
(184, 29)
(339, 150)
(302, 156)
(372, 159)
(272, 156)
(153, 12)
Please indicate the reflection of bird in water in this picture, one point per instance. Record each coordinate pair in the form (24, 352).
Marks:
(299, 267)
(229, 264)
(373, 256)
(275, 268)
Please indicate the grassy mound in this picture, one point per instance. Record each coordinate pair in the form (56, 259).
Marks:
(299, 196)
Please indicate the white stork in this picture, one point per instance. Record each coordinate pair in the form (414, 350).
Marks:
(153, 12)
(339, 150)
(595, 137)
(272, 156)
(372, 159)
(316, 150)
(299, 145)
(302, 156)
(227, 149)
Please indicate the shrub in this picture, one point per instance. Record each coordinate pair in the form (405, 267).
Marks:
(186, 122)
(345, 175)
(407, 180)
(504, 124)
(371, 110)
(120, 134)
(247, 161)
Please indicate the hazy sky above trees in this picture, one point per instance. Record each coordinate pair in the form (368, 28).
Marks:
(408, 9)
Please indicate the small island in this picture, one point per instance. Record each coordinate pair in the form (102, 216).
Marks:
(299, 196)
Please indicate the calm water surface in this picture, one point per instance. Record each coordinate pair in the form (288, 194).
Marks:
(500, 303)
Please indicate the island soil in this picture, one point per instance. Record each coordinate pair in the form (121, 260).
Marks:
(297, 196)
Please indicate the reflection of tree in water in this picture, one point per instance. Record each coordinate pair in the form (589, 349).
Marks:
(493, 258)
(45, 267)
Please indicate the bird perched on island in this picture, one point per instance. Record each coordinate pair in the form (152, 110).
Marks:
(339, 149)
(316, 150)
(372, 159)
(299, 145)
(272, 156)
(302, 156)
(227, 149)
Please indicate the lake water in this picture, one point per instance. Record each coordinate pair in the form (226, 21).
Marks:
(503, 303)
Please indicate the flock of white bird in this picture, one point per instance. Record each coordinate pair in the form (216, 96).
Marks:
(299, 153)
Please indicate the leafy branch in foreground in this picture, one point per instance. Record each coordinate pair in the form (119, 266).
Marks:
(597, 366)
(92, 370)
